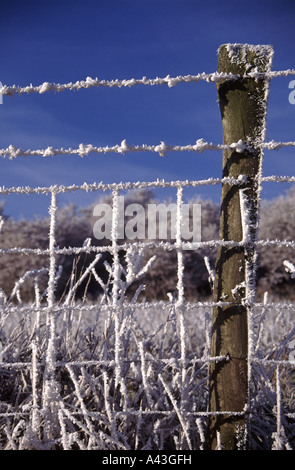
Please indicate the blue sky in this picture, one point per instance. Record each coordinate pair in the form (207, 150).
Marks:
(65, 41)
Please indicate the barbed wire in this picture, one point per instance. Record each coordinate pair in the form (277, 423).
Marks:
(122, 186)
(214, 77)
(200, 146)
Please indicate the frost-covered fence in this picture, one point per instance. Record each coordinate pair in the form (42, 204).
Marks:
(127, 374)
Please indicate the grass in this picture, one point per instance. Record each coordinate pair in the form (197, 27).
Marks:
(91, 376)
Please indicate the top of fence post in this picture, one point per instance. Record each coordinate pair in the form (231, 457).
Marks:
(242, 101)
(241, 117)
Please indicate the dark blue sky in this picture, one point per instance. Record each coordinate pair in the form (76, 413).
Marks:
(65, 41)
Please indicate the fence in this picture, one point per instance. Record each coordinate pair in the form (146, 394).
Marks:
(121, 374)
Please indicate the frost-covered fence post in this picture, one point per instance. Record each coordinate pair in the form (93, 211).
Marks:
(242, 102)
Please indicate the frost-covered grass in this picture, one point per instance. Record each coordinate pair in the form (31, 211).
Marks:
(90, 377)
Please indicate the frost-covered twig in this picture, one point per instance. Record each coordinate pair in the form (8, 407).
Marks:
(86, 273)
(34, 273)
(183, 424)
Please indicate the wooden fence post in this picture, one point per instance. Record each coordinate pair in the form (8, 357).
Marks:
(242, 104)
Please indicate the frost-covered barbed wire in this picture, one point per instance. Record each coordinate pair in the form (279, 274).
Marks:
(83, 150)
(93, 187)
(166, 246)
(214, 77)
